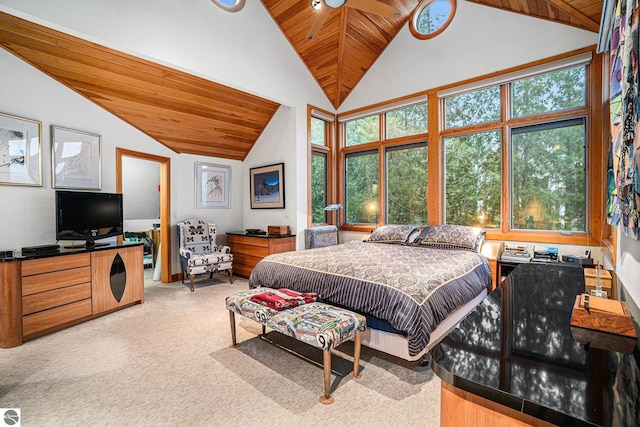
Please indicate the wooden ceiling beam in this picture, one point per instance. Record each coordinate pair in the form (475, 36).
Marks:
(587, 21)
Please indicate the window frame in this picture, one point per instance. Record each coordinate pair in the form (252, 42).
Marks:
(400, 147)
(596, 147)
(380, 146)
(326, 150)
(235, 7)
(549, 125)
(415, 16)
(378, 212)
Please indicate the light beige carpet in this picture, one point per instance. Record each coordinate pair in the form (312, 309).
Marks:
(168, 362)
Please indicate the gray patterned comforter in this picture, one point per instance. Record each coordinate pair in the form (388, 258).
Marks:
(413, 288)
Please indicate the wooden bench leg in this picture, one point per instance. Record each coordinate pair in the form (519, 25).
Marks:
(327, 398)
(356, 357)
(232, 319)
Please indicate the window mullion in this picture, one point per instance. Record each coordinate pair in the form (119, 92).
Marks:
(505, 164)
(382, 186)
(435, 156)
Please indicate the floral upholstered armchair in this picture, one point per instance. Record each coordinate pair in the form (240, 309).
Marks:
(199, 253)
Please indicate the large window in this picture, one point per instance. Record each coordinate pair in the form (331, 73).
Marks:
(407, 185)
(549, 176)
(511, 154)
(362, 192)
(545, 134)
(473, 179)
(394, 140)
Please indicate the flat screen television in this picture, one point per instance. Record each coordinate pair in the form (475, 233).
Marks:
(88, 216)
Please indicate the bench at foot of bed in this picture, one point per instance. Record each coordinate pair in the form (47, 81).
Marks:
(318, 324)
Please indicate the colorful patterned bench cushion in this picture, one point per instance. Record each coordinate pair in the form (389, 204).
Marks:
(318, 324)
(241, 303)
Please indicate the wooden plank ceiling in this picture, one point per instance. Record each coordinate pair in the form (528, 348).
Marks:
(186, 113)
(189, 114)
(350, 41)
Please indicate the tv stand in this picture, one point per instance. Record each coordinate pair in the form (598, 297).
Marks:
(40, 294)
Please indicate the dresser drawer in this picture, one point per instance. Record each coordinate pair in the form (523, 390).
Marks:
(55, 298)
(58, 279)
(242, 270)
(251, 241)
(47, 319)
(243, 259)
(56, 263)
(249, 250)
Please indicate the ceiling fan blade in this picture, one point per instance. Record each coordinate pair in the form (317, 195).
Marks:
(318, 21)
(375, 7)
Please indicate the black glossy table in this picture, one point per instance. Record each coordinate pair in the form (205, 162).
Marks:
(515, 351)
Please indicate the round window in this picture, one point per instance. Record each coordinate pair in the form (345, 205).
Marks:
(431, 17)
(229, 5)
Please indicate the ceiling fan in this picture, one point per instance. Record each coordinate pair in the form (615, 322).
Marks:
(325, 7)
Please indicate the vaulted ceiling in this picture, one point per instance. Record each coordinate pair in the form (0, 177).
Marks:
(350, 41)
(189, 114)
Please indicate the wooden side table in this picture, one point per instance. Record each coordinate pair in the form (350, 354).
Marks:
(491, 250)
(249, 249)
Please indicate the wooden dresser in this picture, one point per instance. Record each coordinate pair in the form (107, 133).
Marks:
(43, 294)
(249, 249)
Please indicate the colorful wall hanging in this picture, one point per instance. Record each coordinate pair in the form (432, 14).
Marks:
(623, 176)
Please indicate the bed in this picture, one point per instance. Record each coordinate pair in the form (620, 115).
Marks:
(412, 285)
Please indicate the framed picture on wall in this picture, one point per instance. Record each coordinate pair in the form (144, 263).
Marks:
(76, 159)
(213, 184)
(267, 187)
(20, 154)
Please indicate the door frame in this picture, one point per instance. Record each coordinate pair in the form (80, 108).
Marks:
(165, 203)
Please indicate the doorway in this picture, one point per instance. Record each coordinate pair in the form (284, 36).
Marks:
(164, 257)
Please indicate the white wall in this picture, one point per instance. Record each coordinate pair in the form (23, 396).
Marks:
(479, 40)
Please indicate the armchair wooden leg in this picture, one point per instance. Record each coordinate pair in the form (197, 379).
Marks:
(230, 275)
(191, 279)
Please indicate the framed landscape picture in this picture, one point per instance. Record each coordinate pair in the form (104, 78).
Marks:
(213, 183)
(76, 159)
(267, 187)
(20, 154)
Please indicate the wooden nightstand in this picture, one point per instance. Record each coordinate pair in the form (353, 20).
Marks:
(249, 249)
(491, 250)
